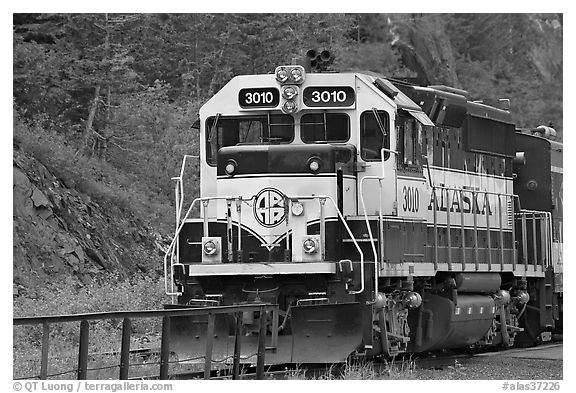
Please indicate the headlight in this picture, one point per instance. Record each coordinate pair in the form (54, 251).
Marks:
(289, 92)
(296, 74)
(289, 107)
(314, 164)
(310, 246)
(282, 75)
(210, 248)
(230, 168)
(297, 208)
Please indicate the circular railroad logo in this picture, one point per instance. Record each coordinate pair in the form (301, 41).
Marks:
(269, 207)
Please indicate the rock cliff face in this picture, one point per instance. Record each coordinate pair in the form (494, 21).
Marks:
(424, 45)
(63, 236)
(424, 48)
(546, 53)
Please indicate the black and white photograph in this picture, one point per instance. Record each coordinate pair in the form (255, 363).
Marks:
(287, 196)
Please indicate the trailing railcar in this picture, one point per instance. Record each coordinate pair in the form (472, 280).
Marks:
(380, 216)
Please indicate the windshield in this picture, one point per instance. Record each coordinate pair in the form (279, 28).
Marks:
(237, 130)
(325, 127)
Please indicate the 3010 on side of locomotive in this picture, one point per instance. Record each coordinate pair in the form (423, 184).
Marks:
(382, 217)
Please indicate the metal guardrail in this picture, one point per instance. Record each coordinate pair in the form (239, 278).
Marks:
(166, 315)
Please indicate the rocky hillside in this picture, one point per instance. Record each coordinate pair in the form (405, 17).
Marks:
(62, 236)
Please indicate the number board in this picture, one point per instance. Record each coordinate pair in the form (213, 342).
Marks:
(336, 96)
(259, 97)
(413, 196)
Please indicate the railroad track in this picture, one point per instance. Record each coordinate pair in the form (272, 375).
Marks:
(447, 358)
(430, 361)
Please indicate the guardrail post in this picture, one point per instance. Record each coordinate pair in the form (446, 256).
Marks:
(237, 346)
(125, 349)
(83, 350)
(209, 345)
(261, 345)
(45, 346)
(165, 348)
(274, 327)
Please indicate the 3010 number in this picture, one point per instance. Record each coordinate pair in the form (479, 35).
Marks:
(328, 96)
(411, 199)
(260, 97)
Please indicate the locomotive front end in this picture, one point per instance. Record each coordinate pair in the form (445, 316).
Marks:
(277, 174)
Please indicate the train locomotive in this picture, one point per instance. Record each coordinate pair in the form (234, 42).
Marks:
(382, 217)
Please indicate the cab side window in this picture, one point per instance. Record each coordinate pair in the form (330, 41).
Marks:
(409, 132)
(374, 135)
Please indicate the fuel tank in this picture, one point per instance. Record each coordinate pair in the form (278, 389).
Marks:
(441, 323)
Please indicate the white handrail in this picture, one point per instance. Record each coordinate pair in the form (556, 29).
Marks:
(169, 251)
(380, 215)
(174, 241)
(179, 201)
(180, 184)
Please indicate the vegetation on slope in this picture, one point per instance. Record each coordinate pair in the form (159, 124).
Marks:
(104, 105)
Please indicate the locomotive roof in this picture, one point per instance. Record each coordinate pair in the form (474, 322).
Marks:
(419, 101)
